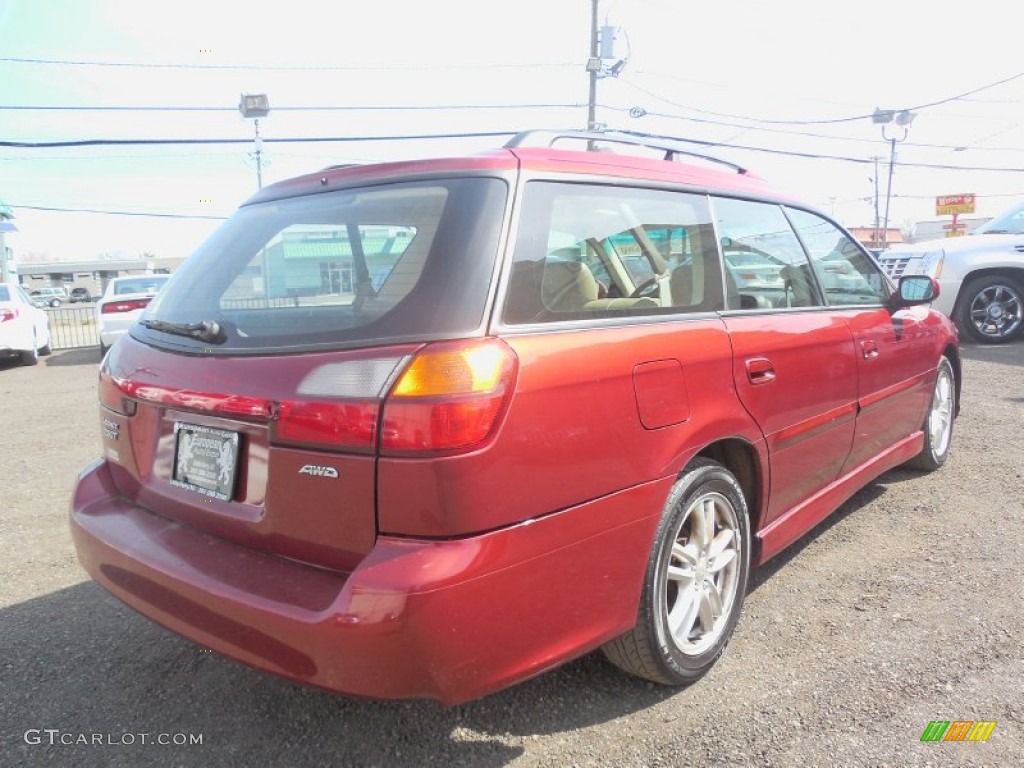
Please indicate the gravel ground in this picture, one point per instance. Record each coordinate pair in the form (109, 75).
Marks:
(902, 608)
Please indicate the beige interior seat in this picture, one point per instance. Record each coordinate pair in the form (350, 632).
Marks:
(567, 286)
(570, 286)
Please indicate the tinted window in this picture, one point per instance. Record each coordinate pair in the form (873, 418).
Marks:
(845, 272)
(592, 251)
(389, 262)
(766, 266)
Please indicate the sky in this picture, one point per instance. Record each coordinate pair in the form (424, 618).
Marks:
(784, 88)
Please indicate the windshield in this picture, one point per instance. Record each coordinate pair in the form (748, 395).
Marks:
(1009, 222)
(385, 263)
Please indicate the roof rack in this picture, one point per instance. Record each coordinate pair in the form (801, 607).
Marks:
(670, 145)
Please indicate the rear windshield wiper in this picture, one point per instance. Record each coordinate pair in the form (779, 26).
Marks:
(205, 330)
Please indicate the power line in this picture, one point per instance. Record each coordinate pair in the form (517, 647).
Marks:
(278, 67)
(842, 158)
(809, 134)
(290, 140)
(825, 121)
(442, 107)
(363, 108)
(482, 134)
(116, 213)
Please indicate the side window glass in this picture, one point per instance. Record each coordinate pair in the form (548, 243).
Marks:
(765, 265)
(846, 273)
(594, 251)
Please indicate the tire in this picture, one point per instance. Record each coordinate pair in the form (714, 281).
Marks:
(30, 356)
(938, 423)
(693, 579)
(991, 309)
(55, 303)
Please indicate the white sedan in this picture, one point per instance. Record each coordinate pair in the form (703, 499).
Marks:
(122, 303)
(24, 328)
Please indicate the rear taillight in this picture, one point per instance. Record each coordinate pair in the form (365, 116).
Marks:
(343, 426)
(128, 305)
(449, 398)
(8, 314)
(337, 406)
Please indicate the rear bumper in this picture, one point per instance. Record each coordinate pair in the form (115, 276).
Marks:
(446, 620)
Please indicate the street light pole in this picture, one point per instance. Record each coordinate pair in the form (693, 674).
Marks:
(878, 220)
(885, 118)
(888, 189)
(259, 151)
(255, 106)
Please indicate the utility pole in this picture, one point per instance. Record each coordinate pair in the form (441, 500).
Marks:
(593, 67)
(874, 240)
(888, 193)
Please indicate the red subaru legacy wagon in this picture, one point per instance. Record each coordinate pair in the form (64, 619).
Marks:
(427, 429)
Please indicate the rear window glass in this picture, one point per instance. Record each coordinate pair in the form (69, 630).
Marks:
(373, 264)
(137, 285)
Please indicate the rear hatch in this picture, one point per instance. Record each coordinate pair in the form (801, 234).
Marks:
(248, 401)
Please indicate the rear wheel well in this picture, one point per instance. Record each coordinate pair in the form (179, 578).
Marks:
(1011, 273)
(740, 459)
(954, 357)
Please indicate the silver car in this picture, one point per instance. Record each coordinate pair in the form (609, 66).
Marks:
(981, 276)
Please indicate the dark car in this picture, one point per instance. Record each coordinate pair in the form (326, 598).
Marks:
(80, 294)
(520, 446)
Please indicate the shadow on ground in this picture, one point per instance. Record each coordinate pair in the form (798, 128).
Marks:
(79, 661)
(1004, 354)
(80, 356)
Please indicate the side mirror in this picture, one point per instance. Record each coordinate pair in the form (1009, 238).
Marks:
(917, 289)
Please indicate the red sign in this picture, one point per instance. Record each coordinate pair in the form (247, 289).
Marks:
(954, 204)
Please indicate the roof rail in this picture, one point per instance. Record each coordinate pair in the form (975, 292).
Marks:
(672, 147)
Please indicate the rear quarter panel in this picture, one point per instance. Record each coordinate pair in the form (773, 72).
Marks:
(574, 431)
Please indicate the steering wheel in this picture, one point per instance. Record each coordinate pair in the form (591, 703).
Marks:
(643, 287)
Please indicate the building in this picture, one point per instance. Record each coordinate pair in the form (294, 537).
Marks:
(91, 275)
(871, 237)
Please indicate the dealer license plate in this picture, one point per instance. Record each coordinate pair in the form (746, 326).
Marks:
(205, 460)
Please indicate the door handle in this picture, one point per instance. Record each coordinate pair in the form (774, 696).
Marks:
(760, 370)
(869, 349)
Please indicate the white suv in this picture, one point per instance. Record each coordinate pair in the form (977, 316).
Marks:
(981, 276)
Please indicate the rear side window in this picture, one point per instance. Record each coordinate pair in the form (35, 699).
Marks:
(385, 263)
(586, 251)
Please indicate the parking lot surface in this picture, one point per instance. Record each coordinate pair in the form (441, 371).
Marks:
(903, 608)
